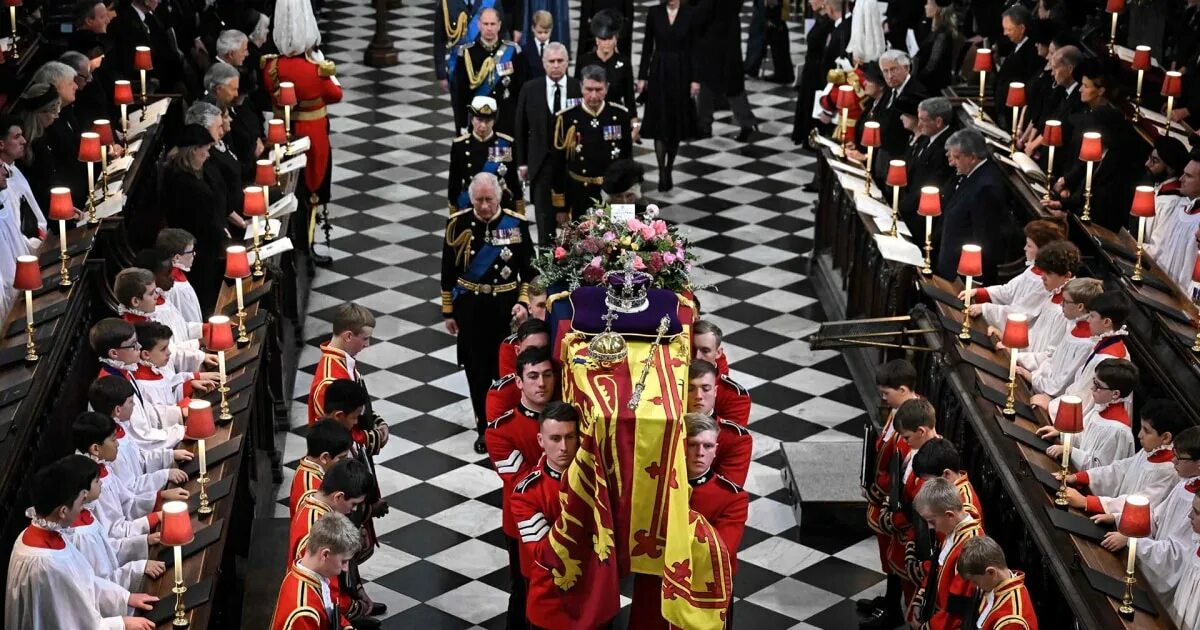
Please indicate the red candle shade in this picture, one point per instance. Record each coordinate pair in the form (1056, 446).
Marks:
(199, 424)
(1141, 58)
(29, 274)
(176, 524)
(237, 264)
(1143, 202)
(870, 136)
(1172, 83)
(1016, 331)
(253, 204)
(141, 58)
(970, 261)
(122, 93)
(1069, 418)
(1016, 95)
(897, 174)
(983, 60)
(287, 94)
(1135, 517)
(218, 334)
(62, 207)
(264, 173)
(103, 128)
(276, 134)
(1114, 6)
(845, 97)
(930, 204)
(1092, 147)
(1052, 133)
(12, 3)
(89, 147)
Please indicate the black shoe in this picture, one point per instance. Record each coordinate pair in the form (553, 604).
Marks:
(811, 187)
(665, 183)
(366, 623)
(320, 260)
(480, 446)
(786, 79)
(378, 609)
(881, 619)
(744, 134)
(867, 606)
(753, 74)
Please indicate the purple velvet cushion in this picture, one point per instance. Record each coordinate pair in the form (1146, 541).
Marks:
(588, 304)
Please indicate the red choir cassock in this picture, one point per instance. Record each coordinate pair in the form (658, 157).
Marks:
(315, 88)
(534, 509)
(951, 596)
(513, 448)
(306, 482)
(1009, 607)
(300, 607)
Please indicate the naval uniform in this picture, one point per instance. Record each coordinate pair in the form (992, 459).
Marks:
(469, 156)
(486, 267)
(483, 70)
(585, 143)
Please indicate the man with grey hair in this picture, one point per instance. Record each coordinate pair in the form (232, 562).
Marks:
(222, 168)
(974, 206)
(232, 48)
(587, 138)
(902, 87)
(487, 263)
(1018, 66)
(222, 82)
(227, 83)
(926, 159)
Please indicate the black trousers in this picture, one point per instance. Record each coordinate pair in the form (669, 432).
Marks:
(543, 209)
(484, 320)
(516, 597)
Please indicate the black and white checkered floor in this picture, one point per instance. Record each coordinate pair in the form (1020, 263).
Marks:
(442, 562)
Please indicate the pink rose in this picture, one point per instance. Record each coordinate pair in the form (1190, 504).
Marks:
(638, 264)
(634, 225)
(669, 258)
(609, 236)
(559, 253)
(656, 262)
(647, 232)
(595, 262)
(660, 227)
(586, 225)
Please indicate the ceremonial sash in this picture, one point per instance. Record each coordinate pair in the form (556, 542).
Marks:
(504, 60)
(468, 38)
(485, 256)
(492, 166)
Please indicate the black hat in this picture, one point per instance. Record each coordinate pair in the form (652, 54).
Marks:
(1040, 31)
(622, 175)
(873, 73)
(606, 24)
(194, 135)
(907, 104)
(1171, 152)
(944, 3)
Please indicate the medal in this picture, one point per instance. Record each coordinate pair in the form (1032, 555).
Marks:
(595, 123)
(506, 254)
(505, 272)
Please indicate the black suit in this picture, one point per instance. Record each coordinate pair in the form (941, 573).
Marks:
(128, 31)
(532, 145)
(1113, 179)
(1022, 65)
(927, 166)
(892, 133)
(531, 58)
(835, 47)
(812, 77)
(972, 208)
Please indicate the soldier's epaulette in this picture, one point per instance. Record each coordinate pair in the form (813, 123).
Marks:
(728, 381)
(463, 137)
(505, 136)
(265, 59)
(498, 420)
(510, 339)
(741, 430)
(567, 109)
(528, 481)
(514, 213)
(502, 381)
(618, 106)
(461, 212)
(516, 47)
(732, 486)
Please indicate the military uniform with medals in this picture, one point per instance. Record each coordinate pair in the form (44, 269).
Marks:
(585, 143)
(486, 268)
(470, 155)
(488, 70)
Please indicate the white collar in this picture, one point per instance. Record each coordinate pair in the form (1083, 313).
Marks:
(141, 14)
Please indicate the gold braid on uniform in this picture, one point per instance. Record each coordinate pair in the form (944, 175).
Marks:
(460, 26)
(460, 244)
(476, 79)
(564, 142)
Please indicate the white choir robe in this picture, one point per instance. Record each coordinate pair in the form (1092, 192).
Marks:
(183, 297)
(1164, 204)
(141, 470)
(122, 561)
(55, 589)
(1161, 555)
(1173, 246)
(1185, 609)
(152, 426)
(1051, 372)
(181, 329)
(1081, 384)
(186, 354)
(19, 187)
(1048, 326)
(1149, 474)
(1107, 437)
(1023, 294)
(163, 386)
(120, 511)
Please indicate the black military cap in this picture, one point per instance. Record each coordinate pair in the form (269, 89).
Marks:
(622, 175)
(606, 24)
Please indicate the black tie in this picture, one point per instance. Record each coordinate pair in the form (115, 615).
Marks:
(557, 98)
(541, 49)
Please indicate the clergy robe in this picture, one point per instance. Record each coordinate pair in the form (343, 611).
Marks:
(1149, 474)
(1173, 244)
(51, 587)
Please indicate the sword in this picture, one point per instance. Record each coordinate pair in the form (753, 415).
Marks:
(648, 363)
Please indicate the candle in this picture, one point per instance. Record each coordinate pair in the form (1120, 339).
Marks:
(1132, 556)
(143, 72)
(221, 365)
(203, 459)
(1088, 186)
(1066, 457)
(29, 308)
(62, 237)
(178, 563)
(967, 296)
(1141, 229)
(1012, 364)
(241, 304)
(124, 117)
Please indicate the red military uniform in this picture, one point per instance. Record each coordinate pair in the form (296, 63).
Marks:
(502, 396)
(336, 365)
(723, 365)
(733, 401)
(507, 360)
(1008, 607)
(970, 499)
(300, 605)
(899, 523)
(535, 508)
(308, 511)
(315, 88)
(952, 597)
(306, 482)
(735, 447)
(888, 445)
(513, 448)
